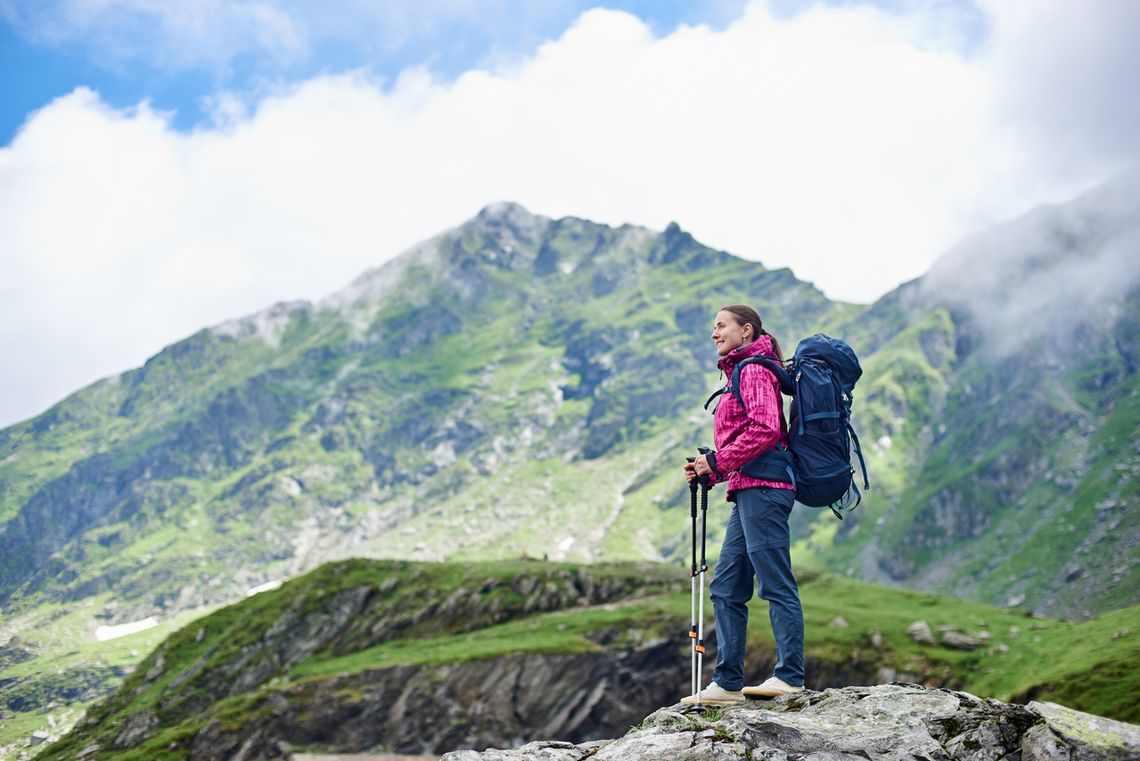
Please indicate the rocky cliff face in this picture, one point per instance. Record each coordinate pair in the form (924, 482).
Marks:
(430, 710)
(892, 722)
(486, 703)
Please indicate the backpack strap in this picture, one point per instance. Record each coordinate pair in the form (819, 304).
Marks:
(859, 451)
(775, 465)
(770, 363)
(848, 502)
(715, 394)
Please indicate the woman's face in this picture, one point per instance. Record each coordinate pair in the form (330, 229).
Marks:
(728, 334)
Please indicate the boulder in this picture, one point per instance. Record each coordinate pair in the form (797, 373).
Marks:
(920, 632)
(1089, 736)
(960, 641)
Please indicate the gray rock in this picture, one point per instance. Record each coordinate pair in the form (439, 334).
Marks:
(139, 727)
(539, 751)
(1090, 736)
(960, 641)
(920, 632)
(657, 744)
(885, 722)
(1041, 744)
(157, 668)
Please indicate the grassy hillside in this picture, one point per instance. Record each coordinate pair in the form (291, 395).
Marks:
(365, 617)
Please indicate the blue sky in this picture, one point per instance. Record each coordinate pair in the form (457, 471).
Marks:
(167, 166)
(123, 51)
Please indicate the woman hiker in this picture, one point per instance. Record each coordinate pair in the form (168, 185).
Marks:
(756, 540)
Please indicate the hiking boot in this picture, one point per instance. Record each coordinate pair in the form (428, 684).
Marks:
(715, 695)
(771, 688)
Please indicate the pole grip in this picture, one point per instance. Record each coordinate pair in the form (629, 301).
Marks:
(704, 523)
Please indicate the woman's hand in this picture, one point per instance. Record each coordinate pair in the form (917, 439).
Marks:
(690, 472)
(698, 468)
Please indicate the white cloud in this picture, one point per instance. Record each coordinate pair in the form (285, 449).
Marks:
(1064, 75)
(846, 143)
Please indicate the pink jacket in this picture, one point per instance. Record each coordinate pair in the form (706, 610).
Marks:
(743, 434)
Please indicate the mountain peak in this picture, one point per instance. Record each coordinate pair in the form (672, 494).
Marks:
(504, 210)
(506, 219)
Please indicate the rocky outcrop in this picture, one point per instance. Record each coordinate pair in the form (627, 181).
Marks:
(897, 721)
(431, 709)
(484, 703)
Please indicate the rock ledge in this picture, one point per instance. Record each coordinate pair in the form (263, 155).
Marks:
(895, 721)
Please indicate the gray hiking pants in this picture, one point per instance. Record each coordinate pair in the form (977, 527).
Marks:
(756, 546)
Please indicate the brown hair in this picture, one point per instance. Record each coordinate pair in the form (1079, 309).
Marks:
(746, 315)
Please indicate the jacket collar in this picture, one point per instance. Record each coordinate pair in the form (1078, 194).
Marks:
(762, 345)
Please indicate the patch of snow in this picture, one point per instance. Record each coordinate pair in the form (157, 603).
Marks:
(566, 544)
(268, 586)
(104, 633)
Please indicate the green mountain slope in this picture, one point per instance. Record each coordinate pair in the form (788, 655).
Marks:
(499, 389)
(523, 385)
(526, 386)
(366, 654)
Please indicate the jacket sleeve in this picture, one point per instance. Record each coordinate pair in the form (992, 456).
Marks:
(762, 431)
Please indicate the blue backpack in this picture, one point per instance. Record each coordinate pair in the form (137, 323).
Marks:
(820, 379)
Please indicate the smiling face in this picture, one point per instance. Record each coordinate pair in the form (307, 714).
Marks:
(729, 334)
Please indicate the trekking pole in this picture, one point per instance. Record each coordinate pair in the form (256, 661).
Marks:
(694, 668)
(704, 482)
